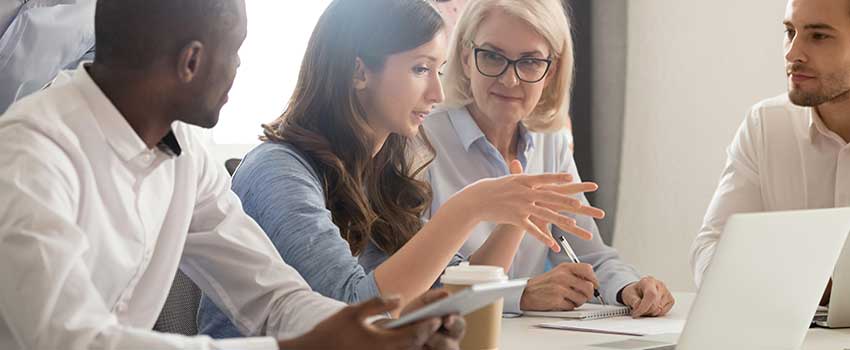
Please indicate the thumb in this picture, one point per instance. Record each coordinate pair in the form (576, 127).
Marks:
(374, 307)
(516, 167)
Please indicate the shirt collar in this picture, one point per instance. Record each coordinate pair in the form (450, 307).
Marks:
(817, 128)
(468, 131)
(118, 133)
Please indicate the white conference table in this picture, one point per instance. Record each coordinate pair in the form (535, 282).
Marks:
(522, 333)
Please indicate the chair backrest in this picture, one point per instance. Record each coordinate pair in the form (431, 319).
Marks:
(232, 164)
(179, 315)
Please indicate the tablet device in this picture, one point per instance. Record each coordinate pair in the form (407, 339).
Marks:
(463, 302)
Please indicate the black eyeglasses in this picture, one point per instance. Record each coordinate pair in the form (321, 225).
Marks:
(493, 64)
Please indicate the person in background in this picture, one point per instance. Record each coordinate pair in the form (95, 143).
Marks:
(336, 184)
(791, 151)
(105, 192)
(507, 82)
(450, 9)
(38, 39)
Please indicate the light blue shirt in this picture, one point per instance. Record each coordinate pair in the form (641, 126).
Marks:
(38, 38)
(464, 155)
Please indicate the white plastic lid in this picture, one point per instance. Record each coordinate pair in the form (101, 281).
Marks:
(465, 274)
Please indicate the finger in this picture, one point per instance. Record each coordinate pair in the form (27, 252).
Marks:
(575, 208)
(516, 167)
(416, 335)
(564, 302)
(560, 201)
(373, 307)
(668, 306)
(648, 300)
(544, 179)
(576, 297)
(583, 287)
(552, 216)
(668, 302)
(544, 226)
(439, 341)
(542, 235)
(585, 272)
(630, 297)
(454, 326)
(593, 212)
(571, 188)
(656, 311)
(577, 231)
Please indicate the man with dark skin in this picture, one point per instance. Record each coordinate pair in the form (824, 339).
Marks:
(160, 64)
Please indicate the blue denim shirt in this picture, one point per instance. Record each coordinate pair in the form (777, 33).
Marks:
(281, 190)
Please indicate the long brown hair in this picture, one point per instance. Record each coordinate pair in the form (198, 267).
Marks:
(380, 199)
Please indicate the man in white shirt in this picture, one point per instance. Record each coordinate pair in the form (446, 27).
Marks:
(105, 191)
(792, 151)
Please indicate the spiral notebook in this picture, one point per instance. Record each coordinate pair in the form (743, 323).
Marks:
(584, 312)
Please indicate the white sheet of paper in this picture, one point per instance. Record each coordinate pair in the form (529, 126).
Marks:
(622, 325)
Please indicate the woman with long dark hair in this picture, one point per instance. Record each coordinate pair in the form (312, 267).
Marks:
(336, 183)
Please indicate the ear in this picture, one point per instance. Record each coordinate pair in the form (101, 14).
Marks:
(190, 60)
(361, 75)
(466, 60)
(552, 74)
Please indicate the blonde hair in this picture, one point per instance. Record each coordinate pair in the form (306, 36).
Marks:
(549, 19)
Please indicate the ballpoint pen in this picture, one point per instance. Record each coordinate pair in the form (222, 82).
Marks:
(568, 250)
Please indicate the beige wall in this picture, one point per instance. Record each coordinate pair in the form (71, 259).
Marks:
(693, 70)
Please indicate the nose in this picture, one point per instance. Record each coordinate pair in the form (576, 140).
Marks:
(434, 94)
(509, 78)
(794, 50)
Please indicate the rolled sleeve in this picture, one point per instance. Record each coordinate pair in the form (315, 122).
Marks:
(612, 272)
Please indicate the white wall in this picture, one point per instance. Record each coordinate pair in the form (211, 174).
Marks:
(693, 70)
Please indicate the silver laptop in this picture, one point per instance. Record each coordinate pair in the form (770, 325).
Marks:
(764, 283)
(838, 313)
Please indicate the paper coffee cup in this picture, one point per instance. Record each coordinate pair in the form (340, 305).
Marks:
(484, 326)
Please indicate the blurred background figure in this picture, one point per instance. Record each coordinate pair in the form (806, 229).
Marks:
(450, 9)
(39, 38)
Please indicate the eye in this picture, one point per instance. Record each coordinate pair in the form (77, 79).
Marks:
(492, 56)
(421, 70)
(820, 36)
(790, 33)
(531, 63)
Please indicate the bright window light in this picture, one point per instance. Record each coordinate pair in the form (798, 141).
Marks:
(278, 32)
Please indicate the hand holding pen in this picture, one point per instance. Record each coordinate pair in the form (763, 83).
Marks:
(568, 250)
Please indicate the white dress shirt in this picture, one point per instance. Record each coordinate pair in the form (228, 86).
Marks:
(94, 225)
(783, 158)
(464, 156)
(38, 38)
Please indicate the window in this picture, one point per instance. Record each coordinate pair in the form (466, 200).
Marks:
(278, 32)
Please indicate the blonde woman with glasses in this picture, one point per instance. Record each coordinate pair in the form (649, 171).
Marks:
(507, 84)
